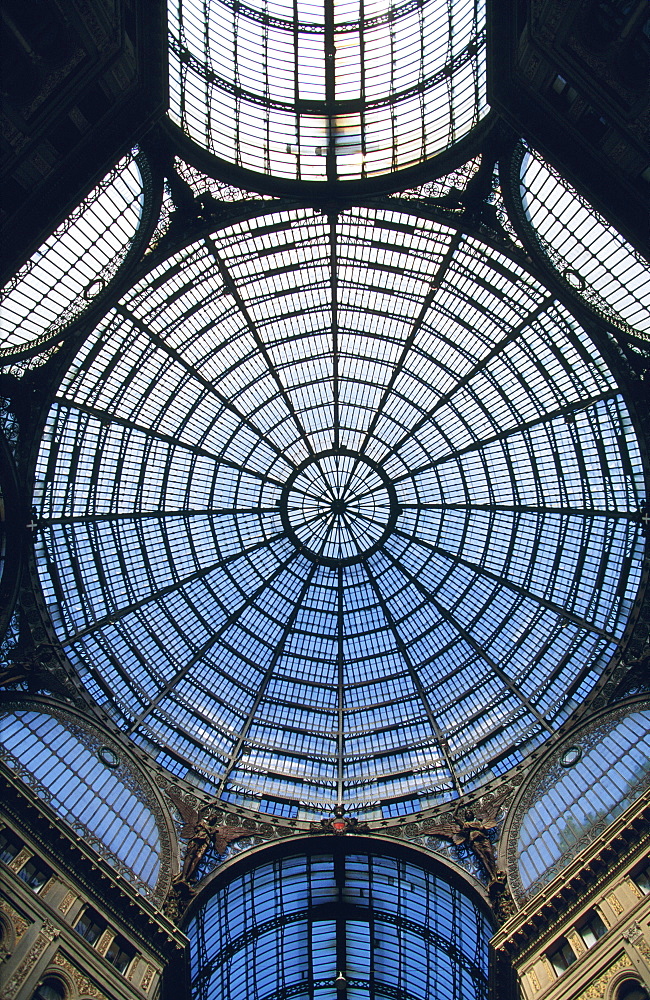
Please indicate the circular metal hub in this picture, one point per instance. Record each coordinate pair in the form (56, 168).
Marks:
(338, 507)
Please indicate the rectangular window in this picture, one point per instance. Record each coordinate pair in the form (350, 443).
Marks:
(120, 954)
(562, 956)
(9, 846)
(90, 926)
(35, 873)
(642, 879)
(592, 929)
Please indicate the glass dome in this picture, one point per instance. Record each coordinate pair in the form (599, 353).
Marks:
(338, 922)
(326, 91)
(327, 513)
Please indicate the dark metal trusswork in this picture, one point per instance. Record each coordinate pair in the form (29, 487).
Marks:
(12, 533)
(339, 919)
(326, 93)
(338, 507)
(457, 570)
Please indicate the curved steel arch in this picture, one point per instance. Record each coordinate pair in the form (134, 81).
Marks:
(238, 918)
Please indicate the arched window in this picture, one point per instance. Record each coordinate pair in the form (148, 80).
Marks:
(632, 989)
(50, 989)
(76, 262)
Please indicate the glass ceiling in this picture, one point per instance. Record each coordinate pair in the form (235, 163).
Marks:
(339, 926)
(590, 254)
(330, 90)
(75, 263)
(339, 508)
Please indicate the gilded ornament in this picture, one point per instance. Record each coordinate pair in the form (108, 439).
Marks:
(470, 829)
(203, 829)
(615, 903)
(45, 937)
(147, 979)
(84, 986)
(20, 925)
(534, 981)
(598, 989)
(21, 859)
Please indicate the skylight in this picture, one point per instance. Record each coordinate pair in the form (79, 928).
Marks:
(326, 91)
(339, 508)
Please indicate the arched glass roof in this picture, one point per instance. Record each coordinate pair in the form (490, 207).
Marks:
(329, 90)
(589, 253)
(340, 923)
(90, 787)
(75, 263)
(582, 790)
(339, 508)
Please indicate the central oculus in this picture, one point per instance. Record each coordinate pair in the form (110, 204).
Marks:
(338, 507)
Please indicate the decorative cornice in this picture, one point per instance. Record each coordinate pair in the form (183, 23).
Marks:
(92, 873)
(599, 862)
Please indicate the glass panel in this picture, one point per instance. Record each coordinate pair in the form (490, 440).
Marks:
(90, 926)
(605, 780)
(592, 929)
(10, 845)
(51, 989)
(119, 954)
(35, 873)
(562, 957)
(336, 90)
(642, 879)
(75, 263)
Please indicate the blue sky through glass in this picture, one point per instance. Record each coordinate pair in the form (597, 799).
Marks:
(452, 634)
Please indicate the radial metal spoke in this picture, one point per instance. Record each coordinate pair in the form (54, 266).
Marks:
(415, 679)
(212, 641)
(156, 515)
(340, 685)
(206, 384)
(156, 595)
(509, 432)
(471, 641)
(266, 679)
(520, 508)
(434, 286)
(333, 263)
(157, 435)
(503, 581)
(259, 342)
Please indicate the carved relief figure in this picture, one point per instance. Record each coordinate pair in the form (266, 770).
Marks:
(203, 830)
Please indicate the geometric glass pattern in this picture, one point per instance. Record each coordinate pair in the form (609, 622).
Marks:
(339, 507)
(329, 91)
(75, 263)
(338, 925)
(592, 256)
(574, 802)
(64, 763)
